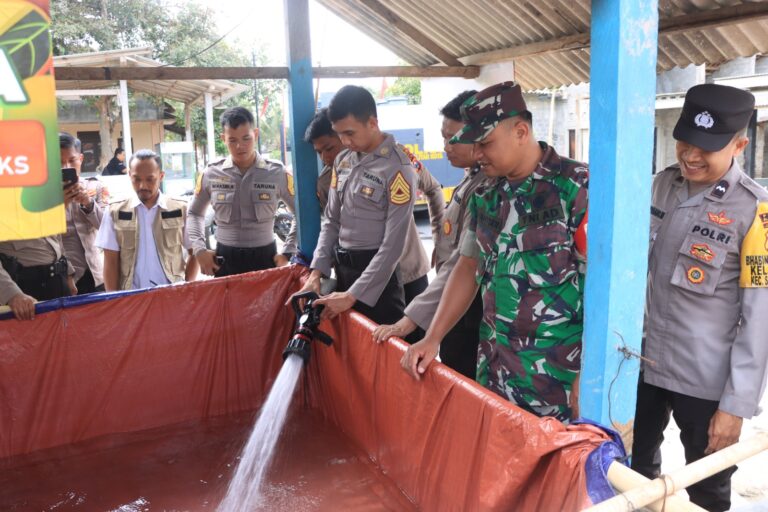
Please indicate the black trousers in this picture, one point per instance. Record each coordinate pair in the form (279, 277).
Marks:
(389, 308)
(692, 415)
(415, 288)
(458, 349)
(42, 284)
(412, 290)
(86, 284)
(238, 260)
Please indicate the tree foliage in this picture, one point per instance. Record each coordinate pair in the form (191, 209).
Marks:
(180, 33)
(406, 86)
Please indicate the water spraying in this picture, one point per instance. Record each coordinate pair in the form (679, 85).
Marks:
(244, 491)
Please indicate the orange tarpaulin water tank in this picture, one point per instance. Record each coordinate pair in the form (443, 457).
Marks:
(117, 363)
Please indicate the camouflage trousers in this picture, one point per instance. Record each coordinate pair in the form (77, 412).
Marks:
(529, 377)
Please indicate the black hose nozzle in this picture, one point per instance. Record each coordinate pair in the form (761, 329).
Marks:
(307, 322)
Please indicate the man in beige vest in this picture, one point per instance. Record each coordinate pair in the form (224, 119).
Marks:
(143, 236)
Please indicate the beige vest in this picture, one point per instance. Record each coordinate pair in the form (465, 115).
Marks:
(167, 230)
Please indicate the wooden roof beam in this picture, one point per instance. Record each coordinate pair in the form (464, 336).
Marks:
(413, 33)
(250, 73)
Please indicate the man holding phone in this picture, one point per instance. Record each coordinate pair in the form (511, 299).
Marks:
(85, 200)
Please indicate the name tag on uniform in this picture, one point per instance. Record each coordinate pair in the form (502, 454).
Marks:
(124, 215)
(372, 177)
(657, 213)
(220, 185)
(541, 216)
(265, 186)
(172, 214)
(486, 221)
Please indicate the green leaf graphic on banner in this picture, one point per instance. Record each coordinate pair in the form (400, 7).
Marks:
(28, 44)
(39, 199)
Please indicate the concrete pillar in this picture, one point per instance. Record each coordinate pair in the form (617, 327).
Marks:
(126, 119)
(211, 154)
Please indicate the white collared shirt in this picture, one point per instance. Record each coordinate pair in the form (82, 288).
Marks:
(148, 271)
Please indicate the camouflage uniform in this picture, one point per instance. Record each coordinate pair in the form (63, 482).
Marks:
(532, 284)
(530, 273)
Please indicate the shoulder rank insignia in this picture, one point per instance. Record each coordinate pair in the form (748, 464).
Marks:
(291, 189)
(720, 189)
(754, 252)
(334, 178)
(198, 183)
(399, 190)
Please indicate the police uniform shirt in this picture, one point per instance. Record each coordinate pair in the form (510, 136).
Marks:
(88, 222)
(244, 204)
(29, 253)
(148, 269)
(370, 205)
(457, 217)
(415, 262)
(706, 329)
(323, 184)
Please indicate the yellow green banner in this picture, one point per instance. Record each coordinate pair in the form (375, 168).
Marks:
(31, 200)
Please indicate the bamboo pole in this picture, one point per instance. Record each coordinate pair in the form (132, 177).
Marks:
(688, 475)
(624, 479)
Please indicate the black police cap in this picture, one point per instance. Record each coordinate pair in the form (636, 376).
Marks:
(712, 114)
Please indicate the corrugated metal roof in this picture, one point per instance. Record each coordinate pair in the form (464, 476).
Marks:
(186, 91)
(469, 27)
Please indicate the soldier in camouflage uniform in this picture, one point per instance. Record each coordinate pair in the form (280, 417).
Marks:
(520, 251)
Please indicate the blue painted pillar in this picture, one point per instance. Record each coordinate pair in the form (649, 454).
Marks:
(622, 103)
(301, 108)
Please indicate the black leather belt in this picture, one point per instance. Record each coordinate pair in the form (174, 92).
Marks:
(43, 272)
(357, 259)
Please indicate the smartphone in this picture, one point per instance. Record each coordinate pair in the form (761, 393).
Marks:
(68, 176)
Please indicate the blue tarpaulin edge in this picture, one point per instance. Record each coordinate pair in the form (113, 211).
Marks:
(47, 306)
(598, 487)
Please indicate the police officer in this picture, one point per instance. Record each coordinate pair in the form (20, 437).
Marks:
(327, 144)
(33, 270)
(370, 206)
(142, 236)
(706, 338)
(245, 189)
(84, 213)
(458, 348)
(520, 251)
(414, 264)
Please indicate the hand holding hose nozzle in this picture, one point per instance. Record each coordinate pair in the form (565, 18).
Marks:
(308, 321)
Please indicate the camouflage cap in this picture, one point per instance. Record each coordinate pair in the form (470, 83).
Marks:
(482, 112)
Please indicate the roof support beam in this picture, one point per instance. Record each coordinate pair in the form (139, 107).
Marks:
(712, 18)
(126, 116)
(245, 73)
(412, 32)
(68, 93)
(210, 134)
